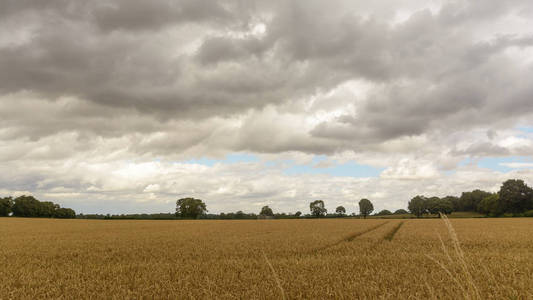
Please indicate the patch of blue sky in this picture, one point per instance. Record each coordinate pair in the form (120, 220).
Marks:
(503, 164)
(240, 158)
(526, 129)
(229, 159)
(201, 161)
(348, 169)
(450, 172)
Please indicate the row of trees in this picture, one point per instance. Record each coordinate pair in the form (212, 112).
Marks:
(514, 197)
(28, 206)
(194, 208)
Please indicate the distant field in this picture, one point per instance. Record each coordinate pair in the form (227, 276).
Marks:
(325, 258)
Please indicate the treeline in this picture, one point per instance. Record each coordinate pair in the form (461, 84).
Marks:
(514, 198)
(28, 206)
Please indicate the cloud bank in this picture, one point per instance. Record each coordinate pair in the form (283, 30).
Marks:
(105, 104)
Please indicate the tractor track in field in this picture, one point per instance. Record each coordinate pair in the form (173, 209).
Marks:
(351, 237)
(390, 235)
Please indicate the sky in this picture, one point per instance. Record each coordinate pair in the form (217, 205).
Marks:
(125, 106)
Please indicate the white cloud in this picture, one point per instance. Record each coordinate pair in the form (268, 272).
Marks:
(413, 87)
(517, 165)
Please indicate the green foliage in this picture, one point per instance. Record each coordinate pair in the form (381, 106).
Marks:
(515, 196)
(528, 213)
(298, 214)
(65, 213)
(418, 206)
(365, 207)
(401, 212)
(384, 212)
(340, 210)
(190, 208)
(318, 208)
(48, 209)
(6, 205)
(455, 201)
(470, 200)
(436, 205)
(266, 211)
(28, 206)
(490, 205)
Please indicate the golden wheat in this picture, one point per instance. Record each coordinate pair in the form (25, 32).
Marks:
(265, 259)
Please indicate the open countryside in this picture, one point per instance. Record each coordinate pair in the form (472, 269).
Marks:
(266, 149)
(267, 259)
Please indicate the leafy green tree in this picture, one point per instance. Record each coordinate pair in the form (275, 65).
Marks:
(26, 206)
(340, 210)
(470, 200)
(400, 212)
(298, 214)
(5, 206)
(47, 209)
(266, 211)
(515, 196)
(455, 201)
(318, 208)
(431, 202)
(437, 205)
(65, 213)
(418, 206)
(365, 207)
(190, 208)
(489, 205)
(384, 212)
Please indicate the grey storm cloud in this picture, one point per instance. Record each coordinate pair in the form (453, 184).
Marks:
(105, 103)
(153, 66)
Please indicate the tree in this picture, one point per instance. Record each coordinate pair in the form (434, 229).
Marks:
(317, 208)
(340, 210)
(266, 211)
(239, 215)
(190, 208)
(47, 209)
(489, 205)
(5, 206)
(470, 200)
(65, 213)
(400, 212)
(437, 206)
(298, 214)
(455, 201)
(384, 212)
(418, 206)
(365, 207)
(431, 203)
(515, 196)
(26, 206)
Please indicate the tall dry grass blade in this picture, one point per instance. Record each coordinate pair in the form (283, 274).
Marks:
(430, 290)
(278, 282)
(454, 278)
(444, 249)
(461, 258)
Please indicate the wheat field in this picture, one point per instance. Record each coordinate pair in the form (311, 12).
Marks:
(266, 259)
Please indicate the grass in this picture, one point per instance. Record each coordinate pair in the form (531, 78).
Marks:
(256, 259)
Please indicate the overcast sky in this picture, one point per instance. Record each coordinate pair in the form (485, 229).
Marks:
(125, 106)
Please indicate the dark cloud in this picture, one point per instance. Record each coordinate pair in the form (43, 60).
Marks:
(150, 68)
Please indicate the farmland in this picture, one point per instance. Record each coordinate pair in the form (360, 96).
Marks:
(311, 258)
